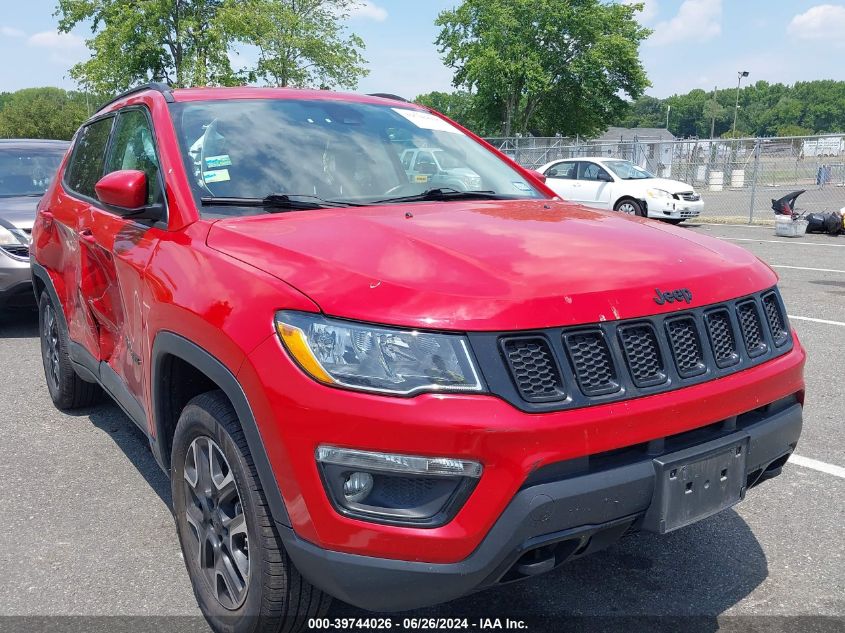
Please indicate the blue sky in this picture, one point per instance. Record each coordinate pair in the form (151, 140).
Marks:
(696, 44)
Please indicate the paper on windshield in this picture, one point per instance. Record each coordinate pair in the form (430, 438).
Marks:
(426, 120)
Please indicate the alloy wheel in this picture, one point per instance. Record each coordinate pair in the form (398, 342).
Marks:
(628, 208)
(215, 516)
(50, 338)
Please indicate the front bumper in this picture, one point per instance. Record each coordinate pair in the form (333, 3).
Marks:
(674, 209)
(564, 511)
(15, 280)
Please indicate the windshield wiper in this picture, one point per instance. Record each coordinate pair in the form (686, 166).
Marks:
(276, 201)
(444, 193)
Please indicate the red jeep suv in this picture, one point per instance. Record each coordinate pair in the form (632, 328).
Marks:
(369, 385)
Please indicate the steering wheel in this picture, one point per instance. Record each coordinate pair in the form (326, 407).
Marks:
(405, 187)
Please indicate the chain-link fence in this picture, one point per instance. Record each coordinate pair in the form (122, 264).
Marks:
(737, 178)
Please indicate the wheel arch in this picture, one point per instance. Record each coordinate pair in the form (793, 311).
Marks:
(177, 361)
(639, 201)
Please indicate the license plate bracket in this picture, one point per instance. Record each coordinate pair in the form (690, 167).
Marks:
(693, 484)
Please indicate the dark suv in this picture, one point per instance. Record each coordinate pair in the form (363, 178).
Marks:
(369, 387)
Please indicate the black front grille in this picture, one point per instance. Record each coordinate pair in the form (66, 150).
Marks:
(686, 346)
(775, 319)
(592, 362)
(21, 251)
(752, 329)
(689, 196)
(642, 353)
(560, 368)
(533, 369)
(720, 332)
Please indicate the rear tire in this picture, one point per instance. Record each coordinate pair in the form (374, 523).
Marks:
(268, 592)
(67, 389)
(629, 206)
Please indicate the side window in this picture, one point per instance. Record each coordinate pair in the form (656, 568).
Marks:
(133, 147)
(591, 171)
(425, 163)
(89, 153)
(407, 157)
(562, 170)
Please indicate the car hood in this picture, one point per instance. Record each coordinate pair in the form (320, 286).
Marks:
(491, 265)
(672, 186)
(19, 210)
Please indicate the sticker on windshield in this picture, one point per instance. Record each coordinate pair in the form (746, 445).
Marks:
(216, 175)
(426, 120)
(521, 185)
(213, 162)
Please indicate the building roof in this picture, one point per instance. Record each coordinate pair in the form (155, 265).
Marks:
(639, 133)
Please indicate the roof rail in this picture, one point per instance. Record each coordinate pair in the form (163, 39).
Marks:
(163, 88)
(387, 95)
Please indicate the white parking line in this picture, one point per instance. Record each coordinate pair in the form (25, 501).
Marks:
(812, 320)
(806, 462)
(751, 239)
(820, 270)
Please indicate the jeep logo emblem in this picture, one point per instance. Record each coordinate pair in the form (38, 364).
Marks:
(671, 296)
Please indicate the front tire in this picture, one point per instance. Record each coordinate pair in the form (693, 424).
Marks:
(674, 221)
(243, 579)
(629, 206)
(67, 389)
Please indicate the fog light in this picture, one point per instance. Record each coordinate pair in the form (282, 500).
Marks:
(357, 487)
(396, 489)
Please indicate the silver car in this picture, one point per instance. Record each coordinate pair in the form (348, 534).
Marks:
(26, 169)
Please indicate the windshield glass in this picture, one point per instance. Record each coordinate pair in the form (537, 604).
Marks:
(333, 150)
(27, 171)
(627, 170)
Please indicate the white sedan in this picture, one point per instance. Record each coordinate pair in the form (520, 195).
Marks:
(612, 183)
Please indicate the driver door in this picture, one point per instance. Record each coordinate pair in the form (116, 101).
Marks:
(116, 251)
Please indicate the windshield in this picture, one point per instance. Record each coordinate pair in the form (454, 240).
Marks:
(329, 150)
(27, 172)
(627, 170)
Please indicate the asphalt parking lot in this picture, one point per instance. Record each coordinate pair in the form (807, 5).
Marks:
(87, 528)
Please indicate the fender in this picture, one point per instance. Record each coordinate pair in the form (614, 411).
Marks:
(169, 343)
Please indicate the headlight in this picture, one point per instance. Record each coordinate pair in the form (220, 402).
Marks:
(658, 193)
(13, 237)
(375, 358)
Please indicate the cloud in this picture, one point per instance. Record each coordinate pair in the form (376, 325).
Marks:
(368, 10)
(8, 31)
(824, 21)
(696, 21)
(65, 48)
(649, 11)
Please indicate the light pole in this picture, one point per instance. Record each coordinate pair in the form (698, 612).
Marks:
(668, 110)
(739, 75)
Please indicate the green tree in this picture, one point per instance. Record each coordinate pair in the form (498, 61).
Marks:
(187, 42)
(300, 42)
(545, 66)
(42, 113)
(179, 42)
(764, 110)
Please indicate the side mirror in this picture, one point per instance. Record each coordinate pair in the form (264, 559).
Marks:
(604, 177)
(537, 175)
(125, 193)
